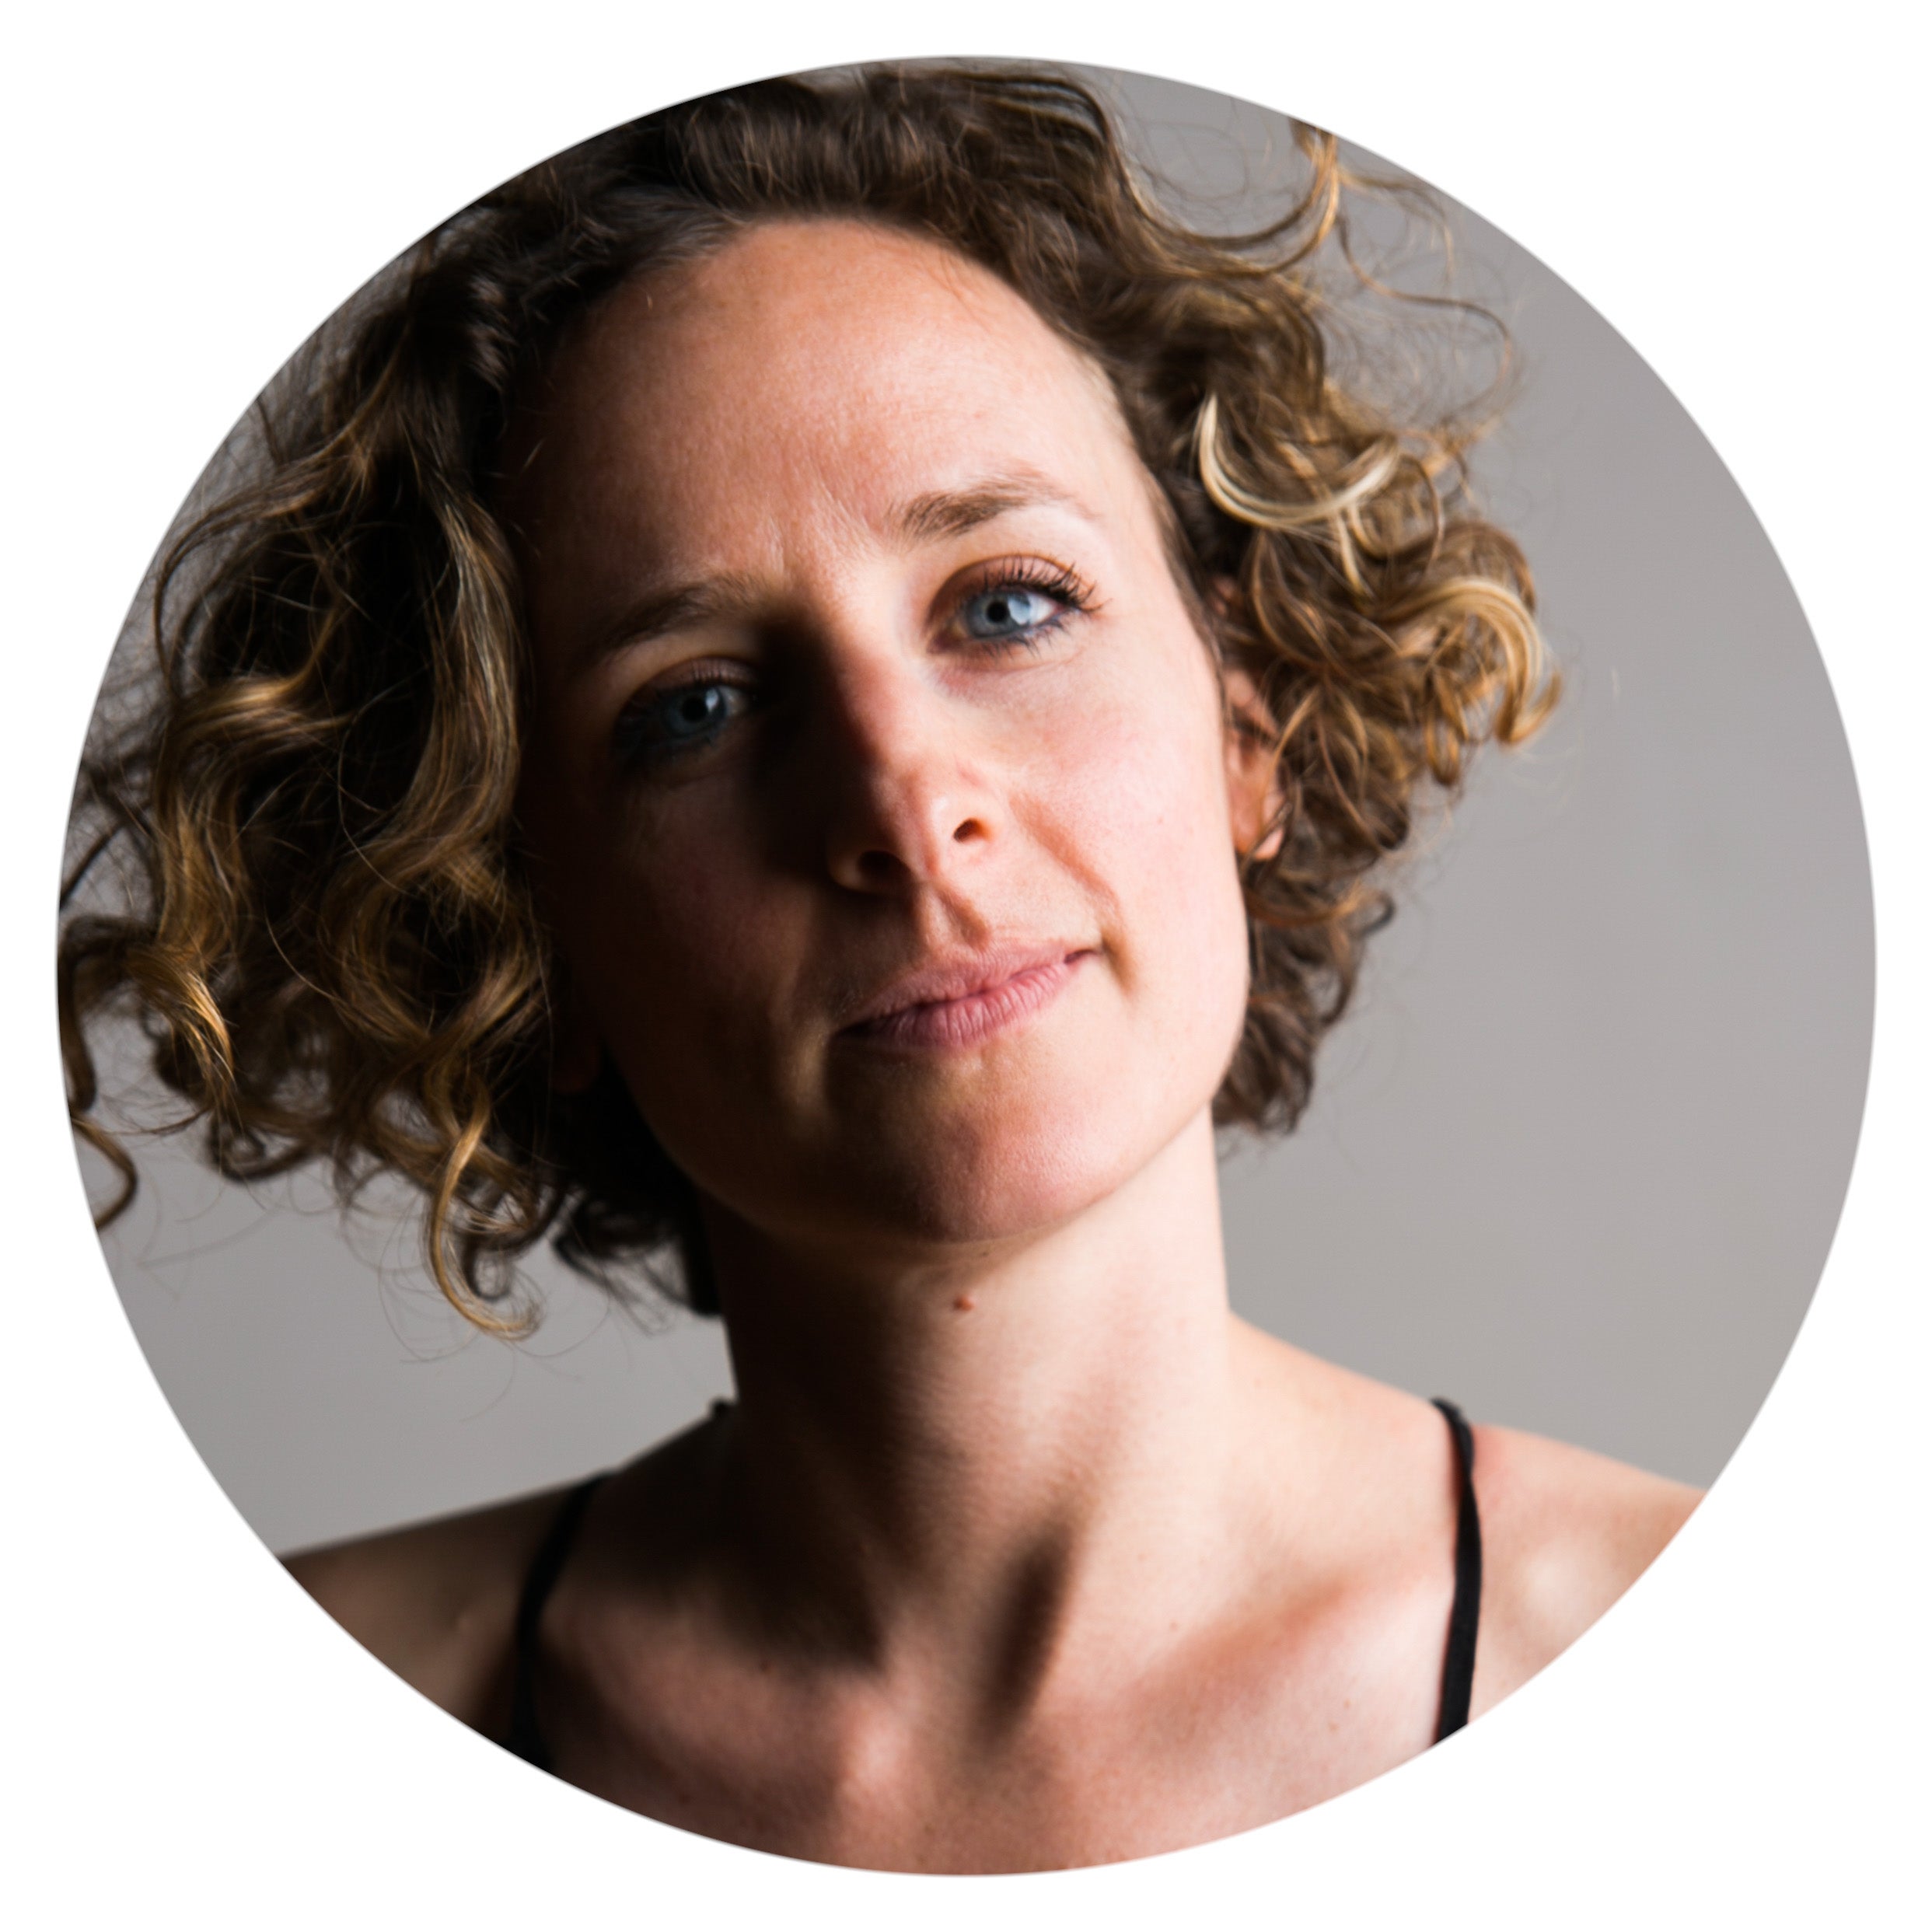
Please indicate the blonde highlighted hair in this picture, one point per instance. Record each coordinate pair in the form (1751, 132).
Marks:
(328, 930)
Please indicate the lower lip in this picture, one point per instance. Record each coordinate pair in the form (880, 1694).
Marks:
(947, 1025)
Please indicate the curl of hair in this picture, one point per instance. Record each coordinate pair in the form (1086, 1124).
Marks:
(330, 936)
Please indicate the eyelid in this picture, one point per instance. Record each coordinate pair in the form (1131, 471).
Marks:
(1047, 575)
(692, 672)
(705, 670)
(1036, 571)
(631, 731)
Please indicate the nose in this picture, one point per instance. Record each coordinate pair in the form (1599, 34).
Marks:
(911, 800)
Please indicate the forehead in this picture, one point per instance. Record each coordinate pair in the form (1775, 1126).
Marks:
(806, 372)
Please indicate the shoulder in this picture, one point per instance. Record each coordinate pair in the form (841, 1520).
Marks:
(436, 1602)
(1565, 1533)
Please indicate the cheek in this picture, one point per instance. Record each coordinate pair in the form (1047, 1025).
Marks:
(684, 939)
(689, 963)
(658, 918)
(691, 948)
(1140, 800)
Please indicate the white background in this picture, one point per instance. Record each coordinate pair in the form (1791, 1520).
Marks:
(191, 187)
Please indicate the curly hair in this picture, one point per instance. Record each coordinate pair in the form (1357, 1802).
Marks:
(328, 932)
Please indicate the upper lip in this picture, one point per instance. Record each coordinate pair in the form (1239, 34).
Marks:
(958, 977)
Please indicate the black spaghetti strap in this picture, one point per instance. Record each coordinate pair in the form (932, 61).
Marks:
(1459, 1659)
(526, 1739)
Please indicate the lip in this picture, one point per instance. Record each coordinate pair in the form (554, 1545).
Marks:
(960, 1003)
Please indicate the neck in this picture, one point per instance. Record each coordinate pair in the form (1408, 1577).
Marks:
(1039, 1432)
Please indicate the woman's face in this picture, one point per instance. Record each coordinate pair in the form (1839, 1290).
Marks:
(877, 782)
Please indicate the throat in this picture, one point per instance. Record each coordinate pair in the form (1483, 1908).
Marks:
(973, 1456)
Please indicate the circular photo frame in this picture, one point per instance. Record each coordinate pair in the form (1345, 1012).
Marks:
(1569, 1158)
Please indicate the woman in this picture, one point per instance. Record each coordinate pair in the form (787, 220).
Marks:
(816, 688)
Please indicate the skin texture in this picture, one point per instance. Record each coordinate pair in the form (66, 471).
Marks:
(883, 798)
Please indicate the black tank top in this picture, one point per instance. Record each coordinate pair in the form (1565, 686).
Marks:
(1458, 1655)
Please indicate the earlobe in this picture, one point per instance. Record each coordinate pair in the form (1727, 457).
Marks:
(1254, 792)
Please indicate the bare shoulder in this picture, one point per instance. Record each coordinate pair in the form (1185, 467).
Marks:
(1565, 1533)
(436, 1602)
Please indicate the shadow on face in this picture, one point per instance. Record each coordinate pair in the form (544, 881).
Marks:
(878, 780)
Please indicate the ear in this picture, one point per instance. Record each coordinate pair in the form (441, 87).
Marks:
(1254, 791)
(577, 1049)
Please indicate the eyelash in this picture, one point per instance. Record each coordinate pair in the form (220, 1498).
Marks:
(1031, 574)
(636, 749)
(1056, 580)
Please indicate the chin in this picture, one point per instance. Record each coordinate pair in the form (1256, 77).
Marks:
(958, 1151)
(963, 1177)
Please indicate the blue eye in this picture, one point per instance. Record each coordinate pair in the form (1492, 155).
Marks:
(1008, 613)
(684, 719)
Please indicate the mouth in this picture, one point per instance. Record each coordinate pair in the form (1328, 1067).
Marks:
(964, 1003)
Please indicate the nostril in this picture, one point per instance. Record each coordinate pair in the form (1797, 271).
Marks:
(967, 830)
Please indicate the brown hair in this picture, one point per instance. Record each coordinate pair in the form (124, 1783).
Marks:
(329, 933)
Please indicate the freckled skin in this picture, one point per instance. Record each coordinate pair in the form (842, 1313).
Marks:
(904, 792)
(855, 649)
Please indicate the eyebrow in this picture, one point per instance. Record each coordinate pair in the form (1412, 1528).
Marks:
(923, 518)
(665, 610)
(954, 512)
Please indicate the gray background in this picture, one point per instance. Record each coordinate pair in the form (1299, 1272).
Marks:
(1575, 1157)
